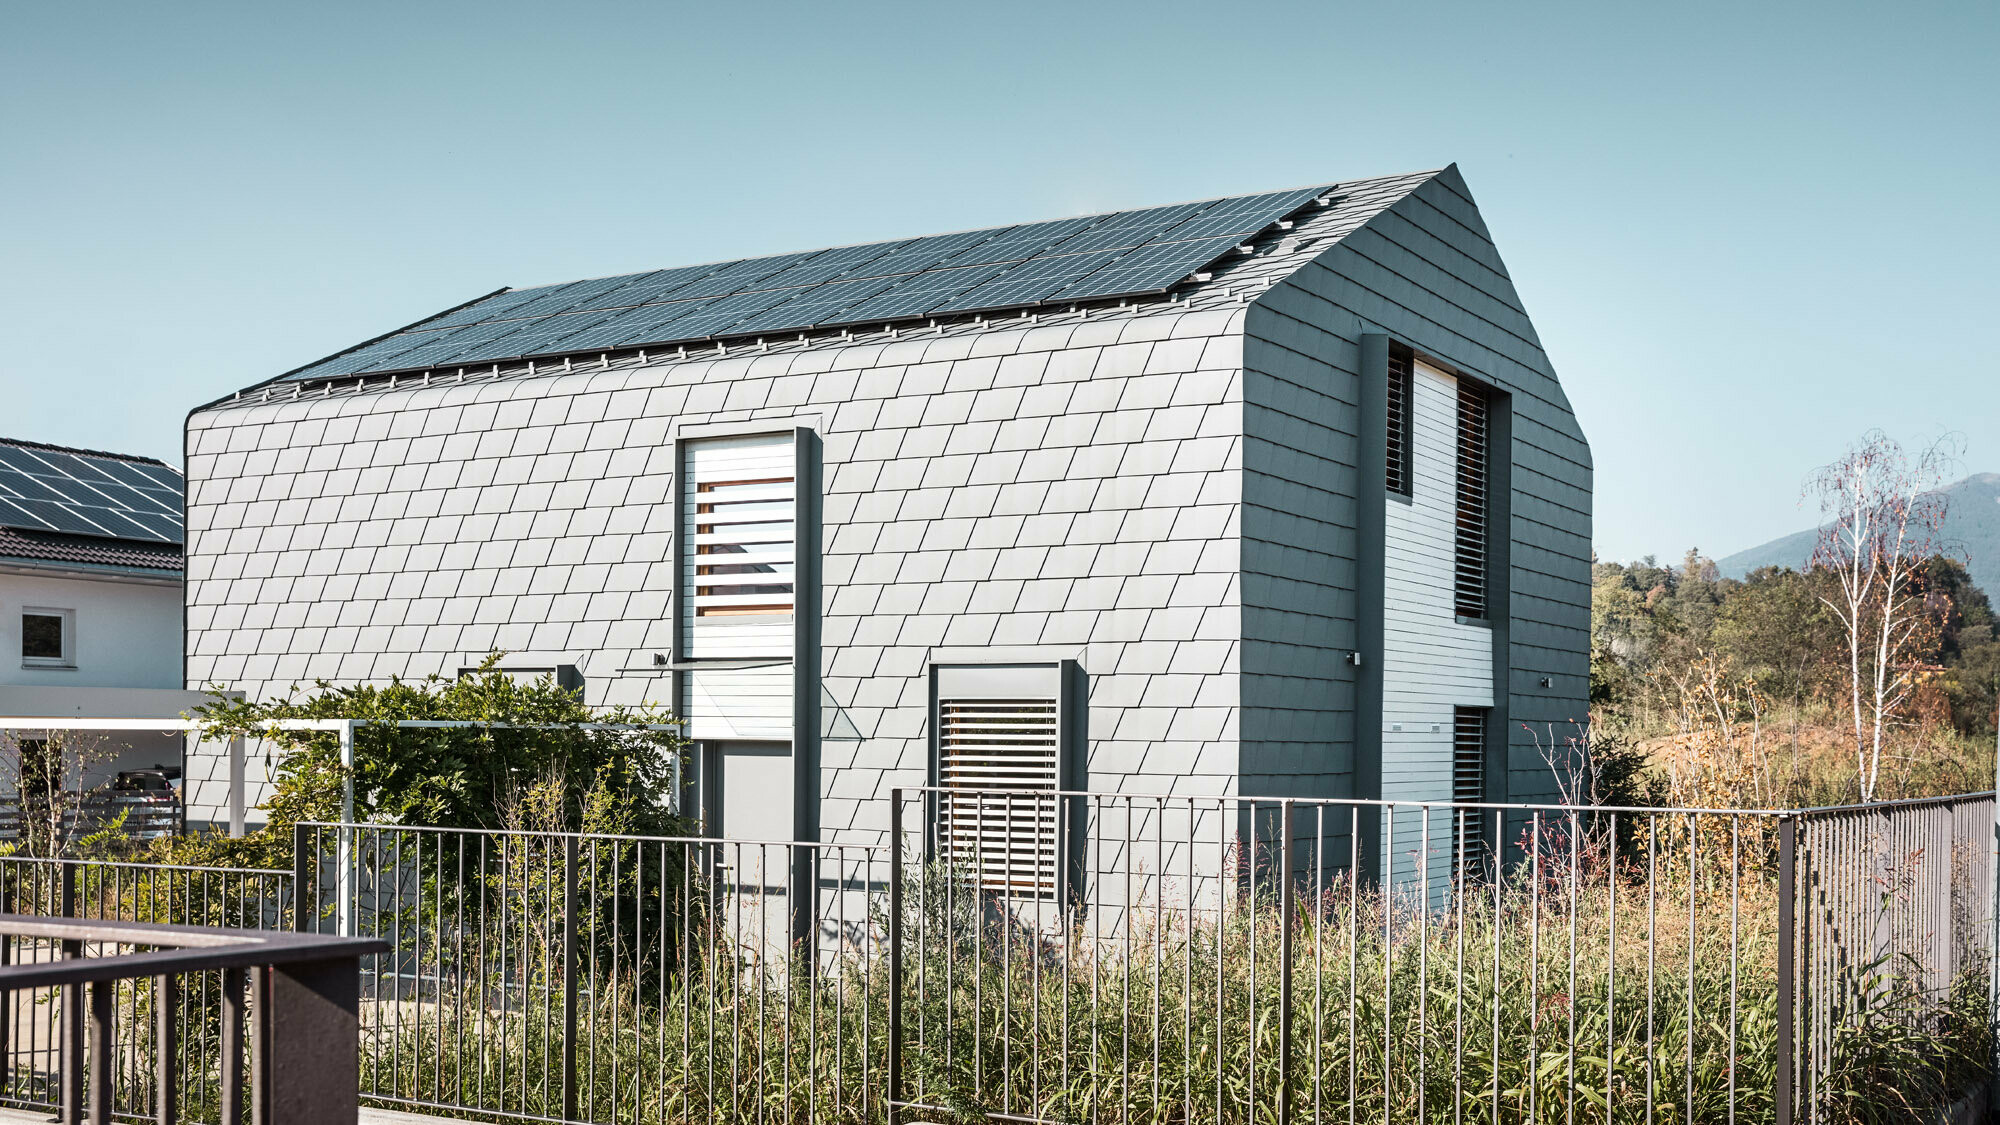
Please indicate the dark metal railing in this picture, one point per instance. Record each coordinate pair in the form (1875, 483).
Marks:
(299, 1066)
(1191, 959)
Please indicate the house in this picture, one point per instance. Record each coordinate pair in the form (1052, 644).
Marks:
(90, 613)
(1274, 495)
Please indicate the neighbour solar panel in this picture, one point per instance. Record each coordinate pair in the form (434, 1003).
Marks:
(1130, 228)
(1021, 242)
(85, 494)
(1031, 281)
(1241, 217)
(918, 293)
(816, 305)
(1147, 269)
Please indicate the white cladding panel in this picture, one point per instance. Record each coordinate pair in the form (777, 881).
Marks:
(731, 703)
(1431, 663)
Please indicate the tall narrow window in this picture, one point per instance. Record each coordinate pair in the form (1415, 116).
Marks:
(1469, 564)
(1468, 777)
(1399, 468)
(999, 768)
(739, 531)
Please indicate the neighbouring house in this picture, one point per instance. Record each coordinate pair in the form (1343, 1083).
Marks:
(90, 624)
(1270, 495)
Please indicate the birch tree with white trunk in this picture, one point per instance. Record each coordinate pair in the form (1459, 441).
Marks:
(1885, 514)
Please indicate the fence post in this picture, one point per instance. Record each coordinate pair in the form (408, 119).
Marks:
(570, 950)
(304, 920)
(894, 1067)
(72, 1015)
(1788, 836)
(1286, 901)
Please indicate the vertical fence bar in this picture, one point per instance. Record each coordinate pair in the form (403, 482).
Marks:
(1285, 908)
(1788, 828)
(893, 1067)
(569, 983)
(71, 1053)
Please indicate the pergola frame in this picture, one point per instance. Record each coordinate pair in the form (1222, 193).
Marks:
(344, 729)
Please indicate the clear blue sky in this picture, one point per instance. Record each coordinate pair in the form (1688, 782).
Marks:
(1746, 232)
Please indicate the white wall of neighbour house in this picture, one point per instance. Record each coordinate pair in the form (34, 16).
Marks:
(1431, 663)
(128, 633)
(1068, 489)
(127, 648)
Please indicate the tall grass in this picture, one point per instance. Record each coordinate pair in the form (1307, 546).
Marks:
(1559, 996)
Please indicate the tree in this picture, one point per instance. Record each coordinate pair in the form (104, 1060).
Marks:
(1885, 512)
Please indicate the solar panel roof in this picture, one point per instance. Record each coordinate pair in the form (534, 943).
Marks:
(47, 488)
(1092, 257)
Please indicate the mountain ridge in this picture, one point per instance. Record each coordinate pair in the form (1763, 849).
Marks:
(1971, 532)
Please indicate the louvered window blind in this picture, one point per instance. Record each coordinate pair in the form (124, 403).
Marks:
(1399, 467)
(999, 766)
(1468, 777)
(1469, 565)
(738, 557)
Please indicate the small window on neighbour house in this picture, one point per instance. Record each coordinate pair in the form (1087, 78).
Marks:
(48, 638)
(1469, 563)
(1399, 467)
(999, 765)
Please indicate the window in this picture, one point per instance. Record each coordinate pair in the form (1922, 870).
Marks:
(48, 638)
(1468, 778)
(1469, 564)
(1000, 735)
(1399, 468)
(738, 550)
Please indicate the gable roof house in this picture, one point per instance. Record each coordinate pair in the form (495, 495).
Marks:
(90, 617)
(1270, 495)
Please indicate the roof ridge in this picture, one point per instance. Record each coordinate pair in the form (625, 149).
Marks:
(23, 443)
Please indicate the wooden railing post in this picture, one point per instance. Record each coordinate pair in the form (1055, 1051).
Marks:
(313, 1072)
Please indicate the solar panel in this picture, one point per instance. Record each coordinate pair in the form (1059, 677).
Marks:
(646, 288)
(926, 253)
(569, 298)
(1020, 242)
(489, 308)
(1031, 281)
(738, 277)
(1147, 269)
(832, 264)
(918, 293)
(1129, 228)
(716, 317)
(1241, 217)
(816, 305)
(84, 494)
(625, 328)
(1088, 257)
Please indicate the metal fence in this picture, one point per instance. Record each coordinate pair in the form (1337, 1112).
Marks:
(1191, 960)
(39, 1025)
